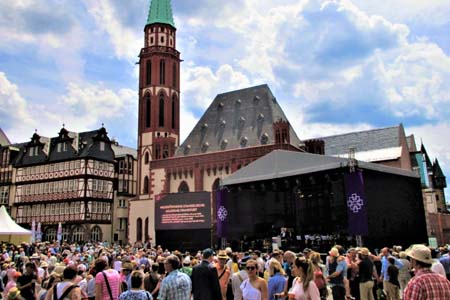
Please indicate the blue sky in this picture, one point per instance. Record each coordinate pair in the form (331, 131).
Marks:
(334, 66)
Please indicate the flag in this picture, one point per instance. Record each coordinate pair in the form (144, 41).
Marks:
(39, 233)
(222, 209)
(33, 231)
(356, 204)
(59, 234)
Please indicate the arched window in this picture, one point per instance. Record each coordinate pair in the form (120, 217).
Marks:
(78, 234)
(147, 158)
(146, 229)
(96, 234)
(214, 188)
(173, 111)
(149, 72)
(148, 110)
(165, 151)
(162, 72)
(183, 187)
(145, 185)
(158, 152)
(65, 234)
(50, 234)
(139, 229)
(161, 110)
(174, 75)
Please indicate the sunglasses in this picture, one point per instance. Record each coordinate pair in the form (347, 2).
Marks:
(251, 268)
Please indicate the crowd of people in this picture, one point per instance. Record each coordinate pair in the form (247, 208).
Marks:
(48, 271)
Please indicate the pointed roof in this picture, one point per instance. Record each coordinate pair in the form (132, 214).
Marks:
(437, 171)
(238, 119)
(4, 141)
(8, 226)
(160, 12)
(282, 163)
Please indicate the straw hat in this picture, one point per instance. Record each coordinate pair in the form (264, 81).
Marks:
(364, 251)
(402, 254)
(44, 264)
(222, 255)
(127, 266)
(421, 253)
(13, 293)
(187, 261)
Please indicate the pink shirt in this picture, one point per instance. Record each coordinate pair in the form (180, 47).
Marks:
(114, 282)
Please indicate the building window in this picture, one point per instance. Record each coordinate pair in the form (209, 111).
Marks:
(165, 151)
(96, 234)
(157, 152)
(183, 187)
(146, 229)
(78, 234)
(139, 229)
(148, 110)
(174, 75)
(173, 111)
(149, 72)
(102, 146)
(4, 194)
(147, 158)
(162, 72)
(122, 203)
(50, 234)
(161, 110)
(123, 222)
(145, 185)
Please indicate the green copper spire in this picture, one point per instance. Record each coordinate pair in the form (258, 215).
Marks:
(160, 12)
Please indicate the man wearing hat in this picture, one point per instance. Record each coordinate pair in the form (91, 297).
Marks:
(205, 281)
(127, 268)
(223, 272)
(425, 284)
(238, 278)
(366, 274)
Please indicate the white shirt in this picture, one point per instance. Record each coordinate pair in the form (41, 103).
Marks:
(236, 283)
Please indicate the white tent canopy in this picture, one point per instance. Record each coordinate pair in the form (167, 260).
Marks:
(10, 231)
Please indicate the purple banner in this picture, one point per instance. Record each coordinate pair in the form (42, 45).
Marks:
(356, 204)
(222, 212)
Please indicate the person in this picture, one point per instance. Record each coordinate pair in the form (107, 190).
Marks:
(445, 261)
(352, 273)
(319, 270)
(277, 281)
(404, 273)
(27, 282)
(136, 289)
(67, 289)
(107, 281)
(127, 268)
(12, 275)
(238, 277)
(393, 280)
(289, 258)
(14, 294)
(47, 285)
(151, 280)
(205, 281)
(388, 287)
(254, 287)
(223, 273)
(176, 285)
(303, 286)
(186, 268)
(425, 284)
(367, 273)
(234, 264)
(336, 267)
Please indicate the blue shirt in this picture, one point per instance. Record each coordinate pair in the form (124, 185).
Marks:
(276, 285)
(176, 286)
(445, 261)
(385, 265)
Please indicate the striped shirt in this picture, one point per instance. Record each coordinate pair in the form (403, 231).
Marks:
(426, 285)
(114, 282)
(176, 286)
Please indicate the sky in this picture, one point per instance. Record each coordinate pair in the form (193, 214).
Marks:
(334, 66)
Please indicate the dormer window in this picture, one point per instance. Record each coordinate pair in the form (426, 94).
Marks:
(33, 151)
(102, 146)
(61, 147)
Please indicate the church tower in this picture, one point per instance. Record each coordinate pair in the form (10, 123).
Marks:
(159, 92)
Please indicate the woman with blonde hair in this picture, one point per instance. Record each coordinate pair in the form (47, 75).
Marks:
(319, 269)
(303, 286)
(277, 281)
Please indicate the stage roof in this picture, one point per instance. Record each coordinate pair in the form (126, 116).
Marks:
(281, 163)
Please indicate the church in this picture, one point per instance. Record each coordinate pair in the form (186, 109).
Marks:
(178, 183)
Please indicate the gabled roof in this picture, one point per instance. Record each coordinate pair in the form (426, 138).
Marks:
(121, 151)
(160, 12)
(237, 119)
(4, 141)
(437, 171)
(363, 141)
(281, 164)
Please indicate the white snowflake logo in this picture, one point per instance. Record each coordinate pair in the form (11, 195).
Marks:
(222, 213)
(355, 203)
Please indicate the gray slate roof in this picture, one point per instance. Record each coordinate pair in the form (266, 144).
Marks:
(363, 141)
(121, 151)
(4, 141)
(234, 120)
(281, 164)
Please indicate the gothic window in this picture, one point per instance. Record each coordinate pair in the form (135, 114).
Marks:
(162, 72)
(173, 111)
(174, 75)
(183, 187)
(145, 185)
(78, 234)
(148, 110)
(146, 229)
(96, 234)
(161, 110)
(162, 39)
(149, 72)
(157, 152)
(147, 158)
(50, 234)
(165, 151)
(139, 229)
